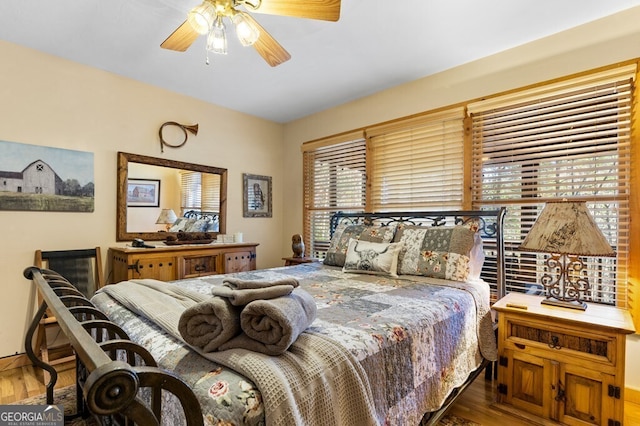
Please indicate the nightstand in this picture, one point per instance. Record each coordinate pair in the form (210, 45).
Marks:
(290, 261)
(561, 364)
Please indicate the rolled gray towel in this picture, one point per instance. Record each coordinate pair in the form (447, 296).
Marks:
(271, 326)
(242, 297)
(210, 323)
(239, 284)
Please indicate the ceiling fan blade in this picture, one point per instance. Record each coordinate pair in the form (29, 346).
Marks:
(325, 10)
(181, 39)
(268, 47)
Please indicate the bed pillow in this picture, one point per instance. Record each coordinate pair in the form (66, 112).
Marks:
(213, 226)
(365, 257)
(476, 258)
(439, 252)
(179, 225)
(199, 225)
(340, 242)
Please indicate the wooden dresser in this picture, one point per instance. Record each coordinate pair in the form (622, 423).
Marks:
(562, 364)
(168, 263)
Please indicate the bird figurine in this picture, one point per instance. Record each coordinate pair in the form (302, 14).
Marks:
(297, 245)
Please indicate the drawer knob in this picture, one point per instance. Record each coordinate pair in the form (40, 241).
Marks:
(554, 343)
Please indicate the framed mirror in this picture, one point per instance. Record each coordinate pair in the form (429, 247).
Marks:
(149, 185)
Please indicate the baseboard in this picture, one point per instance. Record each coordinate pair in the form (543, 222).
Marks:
(14, 361)
(632, 395)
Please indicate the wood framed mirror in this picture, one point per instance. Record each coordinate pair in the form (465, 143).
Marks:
(166, 179)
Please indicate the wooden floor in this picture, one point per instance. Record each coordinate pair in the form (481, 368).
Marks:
(23, 382)
(475, 404)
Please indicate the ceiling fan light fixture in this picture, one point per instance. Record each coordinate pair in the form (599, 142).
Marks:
(217, 38)
(246, 31)
(201, 17)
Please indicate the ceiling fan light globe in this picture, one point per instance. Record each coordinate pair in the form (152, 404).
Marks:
(246, 31)
(201, 17)
(217, 38)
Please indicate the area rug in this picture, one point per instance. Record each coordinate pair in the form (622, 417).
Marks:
(67, 397)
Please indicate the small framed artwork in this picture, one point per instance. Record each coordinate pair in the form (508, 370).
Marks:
(143, 193)
(256, 196)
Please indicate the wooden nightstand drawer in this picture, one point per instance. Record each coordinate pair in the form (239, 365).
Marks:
(563, 340)
(199, 265)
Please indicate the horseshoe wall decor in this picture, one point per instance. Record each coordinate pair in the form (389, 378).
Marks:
(192, 128)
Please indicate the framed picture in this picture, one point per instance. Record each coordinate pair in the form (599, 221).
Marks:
(43, 178)
(256, 196)
(143, 193)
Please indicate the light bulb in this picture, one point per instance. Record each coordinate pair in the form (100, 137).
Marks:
(201, 17)
(217, 39)
(246, 31)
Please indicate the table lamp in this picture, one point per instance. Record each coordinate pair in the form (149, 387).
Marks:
(167, 217)
(567, 231)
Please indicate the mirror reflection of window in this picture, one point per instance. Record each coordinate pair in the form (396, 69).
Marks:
(199, 191)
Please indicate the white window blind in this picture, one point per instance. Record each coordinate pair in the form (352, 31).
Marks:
(568, 140)
(418, 163)
(200, 191)
(334, 180)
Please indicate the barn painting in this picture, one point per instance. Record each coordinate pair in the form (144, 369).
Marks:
(34, 177)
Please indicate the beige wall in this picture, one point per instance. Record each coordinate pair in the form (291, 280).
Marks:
(600, 43)
(53, 102)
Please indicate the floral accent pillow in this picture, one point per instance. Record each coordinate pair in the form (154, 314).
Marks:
(365, 257)
(439, 252)
(340, 242)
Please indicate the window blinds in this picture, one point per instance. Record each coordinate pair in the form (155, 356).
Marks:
(417, 163)
(200, 191)
(568, 140)
(334, 180)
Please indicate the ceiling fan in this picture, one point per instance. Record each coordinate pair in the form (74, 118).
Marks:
(208, 18)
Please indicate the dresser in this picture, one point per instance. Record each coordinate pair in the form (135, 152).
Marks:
(561, 364)
(168, 263)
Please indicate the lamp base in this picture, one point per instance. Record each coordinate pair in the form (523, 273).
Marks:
(581, 306)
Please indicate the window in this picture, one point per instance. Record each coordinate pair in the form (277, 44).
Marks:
(334, 180)
(418, 163)
(405, 165)
(568, 140)
(199, 191)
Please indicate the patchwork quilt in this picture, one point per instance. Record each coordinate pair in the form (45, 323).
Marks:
(417, 339)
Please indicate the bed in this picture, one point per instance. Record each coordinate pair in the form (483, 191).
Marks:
(393, 349)
(197, 221)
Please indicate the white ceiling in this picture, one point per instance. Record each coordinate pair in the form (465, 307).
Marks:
(376, 44)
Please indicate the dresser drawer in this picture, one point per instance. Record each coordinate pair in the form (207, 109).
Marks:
(194, 266)
(563, 341)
